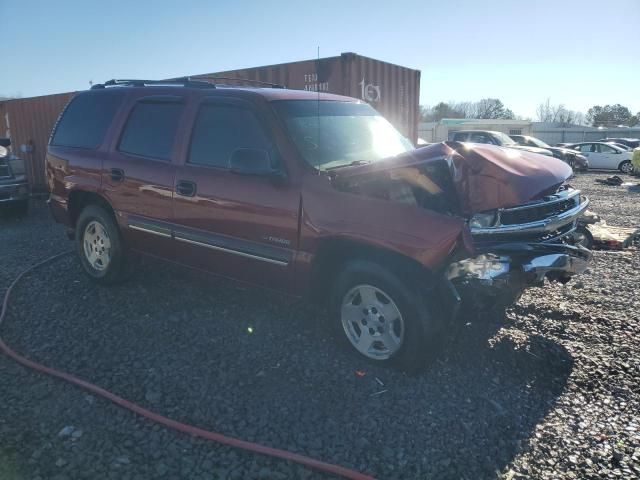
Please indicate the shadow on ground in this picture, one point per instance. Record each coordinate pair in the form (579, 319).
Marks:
(250, 364)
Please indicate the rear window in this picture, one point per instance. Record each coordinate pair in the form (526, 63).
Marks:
(86, 119)
(151, 129)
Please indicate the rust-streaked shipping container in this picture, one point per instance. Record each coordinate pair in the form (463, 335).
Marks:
(28, 123)
(391, 89)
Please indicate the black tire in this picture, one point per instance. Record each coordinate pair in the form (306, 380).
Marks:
(419, 310)
(585, 237)
(115, 270)
(626, 167)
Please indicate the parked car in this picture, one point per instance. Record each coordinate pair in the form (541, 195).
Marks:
(570, 157)
(635, 161)
(495, 138)
(629, 142)
(605, 156)
(14, 188)
(316, 195)
(621, 146)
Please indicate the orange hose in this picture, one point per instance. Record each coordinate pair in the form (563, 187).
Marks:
(155, 417)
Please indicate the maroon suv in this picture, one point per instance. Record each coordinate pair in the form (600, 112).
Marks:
(314, 195)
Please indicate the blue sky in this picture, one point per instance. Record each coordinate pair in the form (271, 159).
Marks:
(577, 52)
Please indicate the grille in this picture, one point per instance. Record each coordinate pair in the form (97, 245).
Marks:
(536, 212)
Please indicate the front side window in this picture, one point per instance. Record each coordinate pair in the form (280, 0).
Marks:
(503, 139)
(221, 130)
(332, 134)
(606, 149)
(151, 129)
(479, 138)
(85, 120)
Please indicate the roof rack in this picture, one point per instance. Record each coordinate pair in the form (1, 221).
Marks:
(201, 82)
(245, 80)
(184, 81)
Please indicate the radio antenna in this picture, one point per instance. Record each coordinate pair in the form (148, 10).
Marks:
(318, 105)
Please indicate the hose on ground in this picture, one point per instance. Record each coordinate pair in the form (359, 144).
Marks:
(155, 417)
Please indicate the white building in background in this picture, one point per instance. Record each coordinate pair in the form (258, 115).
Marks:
(443, 130)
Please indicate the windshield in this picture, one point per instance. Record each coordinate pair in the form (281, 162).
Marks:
(332, 134)
(503, 139)
(536, 142)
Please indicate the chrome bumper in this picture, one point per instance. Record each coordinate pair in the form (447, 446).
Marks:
(528, 263)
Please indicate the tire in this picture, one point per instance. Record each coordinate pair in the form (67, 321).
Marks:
(363, 293)
(99, 246)
(626, 167)
(572, 163)
(584, 237)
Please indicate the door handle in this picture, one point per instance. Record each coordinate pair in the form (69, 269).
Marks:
(117, 174)
(186, 188)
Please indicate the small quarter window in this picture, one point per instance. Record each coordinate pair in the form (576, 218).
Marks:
(151, 129)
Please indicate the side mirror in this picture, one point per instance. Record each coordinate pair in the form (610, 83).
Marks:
(5, 142)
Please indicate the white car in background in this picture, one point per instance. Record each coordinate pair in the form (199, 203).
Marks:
(605, 156)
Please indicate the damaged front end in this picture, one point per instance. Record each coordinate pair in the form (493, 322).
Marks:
(520, 215)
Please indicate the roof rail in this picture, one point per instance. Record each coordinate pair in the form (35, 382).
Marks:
(245, 80)
(184, 81)
(200, 82)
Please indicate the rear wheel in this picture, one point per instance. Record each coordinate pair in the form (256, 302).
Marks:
(626, 167)
(383, 318)
(571, 161)
(99, 245)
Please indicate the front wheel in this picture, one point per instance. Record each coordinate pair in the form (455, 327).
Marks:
(383, 318)
(99, 245)
(626, 167)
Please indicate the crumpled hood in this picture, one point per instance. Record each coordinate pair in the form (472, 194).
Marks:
(489, 177)
(485, 177)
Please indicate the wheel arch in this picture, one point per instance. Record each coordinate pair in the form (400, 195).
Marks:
(334, 253)
(79, 199)
(627, 161)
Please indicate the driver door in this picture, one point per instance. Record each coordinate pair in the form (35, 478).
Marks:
(231, 222)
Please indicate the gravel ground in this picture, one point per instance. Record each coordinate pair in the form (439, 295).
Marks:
(552, 392)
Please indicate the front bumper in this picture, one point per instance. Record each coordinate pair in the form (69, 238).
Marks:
(529, 262)
(497, 277)
(14, 192)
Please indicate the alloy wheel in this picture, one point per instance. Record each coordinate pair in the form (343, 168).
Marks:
(97, 245)
(372, 322)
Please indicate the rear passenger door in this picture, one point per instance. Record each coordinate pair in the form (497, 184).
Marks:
(232, 222)
(138, 175)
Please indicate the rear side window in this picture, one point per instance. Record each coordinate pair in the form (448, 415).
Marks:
(86, 119)
(222, 129)
(151, 129)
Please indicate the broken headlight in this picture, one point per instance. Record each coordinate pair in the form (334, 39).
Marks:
(483, 220)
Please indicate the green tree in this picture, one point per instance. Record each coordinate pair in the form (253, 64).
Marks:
(610, 116)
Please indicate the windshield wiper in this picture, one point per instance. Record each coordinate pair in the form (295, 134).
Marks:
(352, 164)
